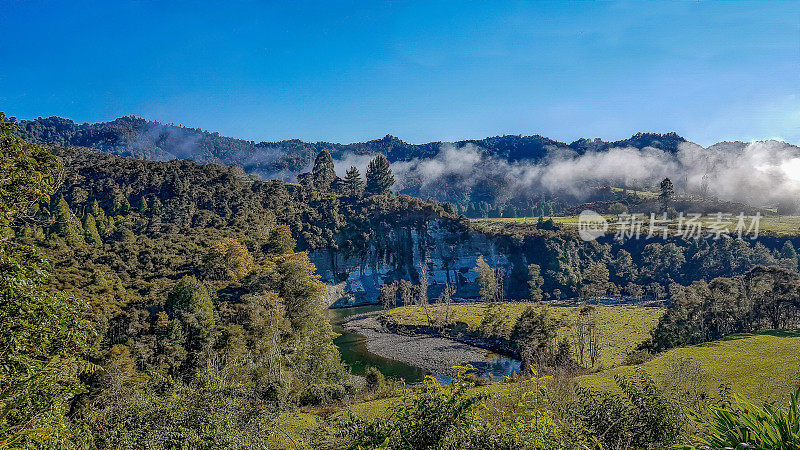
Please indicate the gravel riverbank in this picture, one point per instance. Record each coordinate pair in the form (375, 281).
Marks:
(436, 355)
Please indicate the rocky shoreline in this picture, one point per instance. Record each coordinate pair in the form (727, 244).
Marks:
(433, 354)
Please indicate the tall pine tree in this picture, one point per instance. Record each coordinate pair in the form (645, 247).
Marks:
(90, 232)
(788, 252)
(379, 176)
(323, 173)
(353, 184)
(667, 192)
(66, 224)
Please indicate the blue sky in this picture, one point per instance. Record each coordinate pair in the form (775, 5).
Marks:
(422, 71)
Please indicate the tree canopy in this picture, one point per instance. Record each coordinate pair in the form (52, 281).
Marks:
(379, 176)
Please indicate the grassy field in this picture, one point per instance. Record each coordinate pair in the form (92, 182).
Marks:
(622, 328)
(294, 430)
(763, 366)
(786, 226)
(651, 194)
(567, 222)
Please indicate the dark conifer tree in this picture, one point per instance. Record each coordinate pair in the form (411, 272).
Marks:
(97, 211)
(323, 173)
(788, 252)
(667, 191)
(66, 224)
(379, 176)
(352, 182)
(143, 207)
(91, 234)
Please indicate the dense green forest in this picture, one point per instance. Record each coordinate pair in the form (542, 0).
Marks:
(169, 304)
(134, 136)
(146, 313)
(502, 176)
(491, 196)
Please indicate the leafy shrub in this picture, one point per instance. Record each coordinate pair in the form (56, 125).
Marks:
(536, 337)
(164, 413)
(746, 425)
(423, 419)
(316, 394)
(641, 417)
(637, 357)
(374, 379)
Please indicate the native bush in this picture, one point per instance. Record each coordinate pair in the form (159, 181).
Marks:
(744, 425)
(642, 416)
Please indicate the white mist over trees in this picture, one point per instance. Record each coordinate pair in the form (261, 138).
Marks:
(496, 170)
(763, 173)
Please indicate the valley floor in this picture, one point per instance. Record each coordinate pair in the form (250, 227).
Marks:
(437, 355)
(758, 367)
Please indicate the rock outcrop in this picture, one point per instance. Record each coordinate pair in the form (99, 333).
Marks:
(448, 251)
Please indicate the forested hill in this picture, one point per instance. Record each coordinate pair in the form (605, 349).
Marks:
(175, 196)
(134, 136)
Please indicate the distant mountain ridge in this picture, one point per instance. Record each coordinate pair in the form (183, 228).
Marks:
(138, 137)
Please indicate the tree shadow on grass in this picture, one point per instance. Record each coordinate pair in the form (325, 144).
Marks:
(775, 333)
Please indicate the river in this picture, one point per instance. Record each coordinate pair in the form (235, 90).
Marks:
(353, 348)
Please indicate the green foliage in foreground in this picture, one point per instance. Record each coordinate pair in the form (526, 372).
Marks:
(538, 413)
(44, 341)
(455, 417)
(45, 338)
(214, 411)
(745, 425)
(28, 174)
(641, 416)
(641, 412)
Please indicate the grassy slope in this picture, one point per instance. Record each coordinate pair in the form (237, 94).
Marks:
(763, 366)
(293, 430)
(622, 328)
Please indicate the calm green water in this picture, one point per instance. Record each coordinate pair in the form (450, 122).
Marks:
(353, 348)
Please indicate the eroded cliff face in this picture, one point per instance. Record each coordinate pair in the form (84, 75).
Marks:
(448, 251)
(449, 248)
